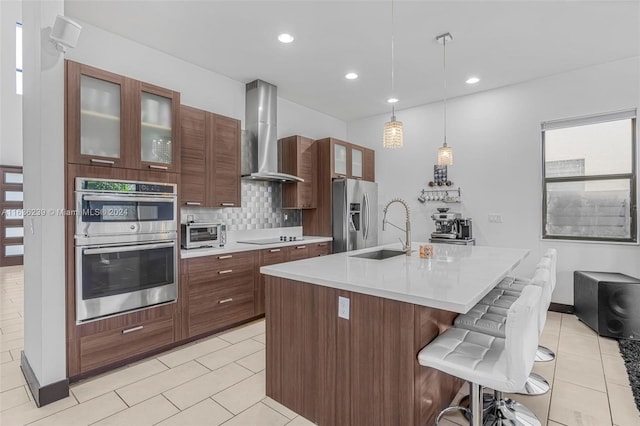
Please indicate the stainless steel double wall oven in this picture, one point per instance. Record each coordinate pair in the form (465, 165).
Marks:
(126, 246)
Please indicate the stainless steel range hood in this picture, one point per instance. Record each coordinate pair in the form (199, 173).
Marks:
(259, 142)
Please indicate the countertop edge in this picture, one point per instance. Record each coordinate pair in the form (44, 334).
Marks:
(240, 247)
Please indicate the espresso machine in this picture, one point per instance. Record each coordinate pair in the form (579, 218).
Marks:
(451, 228)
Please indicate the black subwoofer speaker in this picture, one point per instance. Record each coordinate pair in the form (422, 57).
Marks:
(608, 302)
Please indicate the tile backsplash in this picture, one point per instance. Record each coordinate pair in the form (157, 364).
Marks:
(261, 209)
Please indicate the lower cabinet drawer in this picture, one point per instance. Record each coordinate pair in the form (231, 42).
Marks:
(299, 252)
(215, 303)
(319, 249)
(111, 346)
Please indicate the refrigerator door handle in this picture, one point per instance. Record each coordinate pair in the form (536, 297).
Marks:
(365, 228)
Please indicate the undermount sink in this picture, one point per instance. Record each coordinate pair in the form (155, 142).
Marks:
(379, 254)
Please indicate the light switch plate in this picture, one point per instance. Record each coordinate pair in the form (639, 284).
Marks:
(495, 218)
(343, 307)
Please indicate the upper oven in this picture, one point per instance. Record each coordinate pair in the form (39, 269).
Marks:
(107, 208)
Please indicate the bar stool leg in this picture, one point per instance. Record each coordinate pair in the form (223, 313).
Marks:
(544, 354)
(475, 404)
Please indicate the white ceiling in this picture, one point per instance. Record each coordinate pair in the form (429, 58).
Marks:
(501, 42)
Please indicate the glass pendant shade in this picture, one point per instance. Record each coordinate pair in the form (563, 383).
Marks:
(445, 156)
(393, 134)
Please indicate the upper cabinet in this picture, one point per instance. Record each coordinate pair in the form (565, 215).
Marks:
(368, 164)
(298, 156)
(224, 133)
(210, 157)
(117, 121)
(348, 160)
(159, 115)
(193, 156)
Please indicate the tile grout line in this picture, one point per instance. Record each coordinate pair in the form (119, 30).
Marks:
(106, 374)
(555, 367)
(606, 383)
(221, 390)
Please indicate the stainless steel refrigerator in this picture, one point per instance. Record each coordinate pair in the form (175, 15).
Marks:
(355, 214)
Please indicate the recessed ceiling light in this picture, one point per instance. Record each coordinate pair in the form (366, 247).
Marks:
(285, 38)
(392, 100)
(351, 76)
(472, 80)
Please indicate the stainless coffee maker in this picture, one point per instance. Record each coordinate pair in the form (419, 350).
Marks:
(446, 224)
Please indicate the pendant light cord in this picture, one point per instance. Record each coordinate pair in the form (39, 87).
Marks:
(393, 80)
(444, 72)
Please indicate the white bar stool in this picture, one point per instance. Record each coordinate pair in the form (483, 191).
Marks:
(502, 364)
(492, 319)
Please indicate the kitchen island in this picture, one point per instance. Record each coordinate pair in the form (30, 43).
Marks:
(343, 331)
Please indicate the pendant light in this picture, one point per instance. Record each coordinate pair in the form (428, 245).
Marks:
(445, 153)
(393, 130)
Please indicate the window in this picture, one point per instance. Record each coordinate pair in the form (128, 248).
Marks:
(19, 58)
(589, 179)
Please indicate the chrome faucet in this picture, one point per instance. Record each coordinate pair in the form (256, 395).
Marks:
(406, 246)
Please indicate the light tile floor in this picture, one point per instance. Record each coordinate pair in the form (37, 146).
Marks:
(221, 380)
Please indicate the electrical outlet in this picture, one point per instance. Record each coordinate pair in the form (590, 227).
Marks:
(343, 307)
(495, 218)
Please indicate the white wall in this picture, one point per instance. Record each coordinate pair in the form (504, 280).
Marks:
(44, 271)
(10, 102)
(496, 140)
(198, 87)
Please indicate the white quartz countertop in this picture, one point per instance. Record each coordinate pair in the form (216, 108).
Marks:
(455, 279)
(237, 247)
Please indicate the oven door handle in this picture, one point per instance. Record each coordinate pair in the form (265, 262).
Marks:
(129, 198)
(121, 249)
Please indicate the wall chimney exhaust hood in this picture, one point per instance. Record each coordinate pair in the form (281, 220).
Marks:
(259, 143)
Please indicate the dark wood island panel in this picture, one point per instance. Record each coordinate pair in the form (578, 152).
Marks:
(357, 371)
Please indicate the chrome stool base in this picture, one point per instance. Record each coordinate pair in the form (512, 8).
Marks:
(467, 412)
(544, 354)
(535, 385)
(511, 413)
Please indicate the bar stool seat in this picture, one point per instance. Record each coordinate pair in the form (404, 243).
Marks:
(513, 284)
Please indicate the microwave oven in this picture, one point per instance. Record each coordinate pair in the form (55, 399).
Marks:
(197, 235)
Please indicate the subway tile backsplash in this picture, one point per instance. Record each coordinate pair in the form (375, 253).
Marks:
(261, 209)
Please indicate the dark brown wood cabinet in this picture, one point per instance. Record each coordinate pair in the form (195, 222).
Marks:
(273, 256)
(298, 156)
(266, 257)
(224, 133)
(220, 291)
(369, 165)
(111, 346)
(357, 371)
(193, 157)
(210, 157)
(116, 121)
(298, 252)
(335, 160)
(320, 249)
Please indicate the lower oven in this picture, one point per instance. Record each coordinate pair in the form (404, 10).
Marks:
(115, 278)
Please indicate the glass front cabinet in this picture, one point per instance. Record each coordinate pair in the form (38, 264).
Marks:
(116, 121)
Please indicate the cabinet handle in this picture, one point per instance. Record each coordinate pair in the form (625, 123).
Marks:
(153, 166)
(306, 205)
(322, 245)
(274, 250)
(228, 256)
(130, 330)
(226, 271)
(227, 204)
(98, 161)
(230, 299)
(193, 203)
(301, 247)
